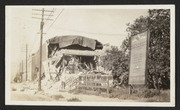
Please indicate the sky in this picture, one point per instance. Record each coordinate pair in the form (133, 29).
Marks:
(107, 25)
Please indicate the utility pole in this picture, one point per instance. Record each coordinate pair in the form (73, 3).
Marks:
(26, 60)
(41, 38)
(22, 72)
(41, 27)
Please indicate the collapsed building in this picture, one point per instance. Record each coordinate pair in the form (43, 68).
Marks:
(66, 57)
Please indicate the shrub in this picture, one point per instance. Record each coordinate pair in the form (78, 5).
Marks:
(150, 93)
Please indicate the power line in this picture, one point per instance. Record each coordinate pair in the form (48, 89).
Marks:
(80, 31)
(50, 15)
(53, 23)
(108, 34)
(55, 20)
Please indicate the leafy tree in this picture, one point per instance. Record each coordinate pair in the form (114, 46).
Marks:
(117, 61)
(158, 22)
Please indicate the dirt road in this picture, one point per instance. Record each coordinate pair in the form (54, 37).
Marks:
(53, 96)
(33, 95)
(25, 96)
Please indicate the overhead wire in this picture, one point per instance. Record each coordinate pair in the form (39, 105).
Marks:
(55, 20)
(78, 30)
(50, 15)
(35, 41)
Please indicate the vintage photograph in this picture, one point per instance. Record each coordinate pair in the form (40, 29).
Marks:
(122, 55)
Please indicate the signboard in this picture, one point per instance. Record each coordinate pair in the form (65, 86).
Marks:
(138, 57)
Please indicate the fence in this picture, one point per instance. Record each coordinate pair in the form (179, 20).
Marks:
(94, 82)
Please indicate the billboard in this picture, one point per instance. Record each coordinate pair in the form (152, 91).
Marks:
(138, 58)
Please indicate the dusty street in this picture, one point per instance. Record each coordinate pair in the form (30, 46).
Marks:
(33, 95)
(25, 96)
(28, 92)
(57, 96)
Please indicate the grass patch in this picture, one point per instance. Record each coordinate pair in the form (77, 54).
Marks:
(74, 100)
(119, 93)
(164, 96)
(141, 95)
(146, 93)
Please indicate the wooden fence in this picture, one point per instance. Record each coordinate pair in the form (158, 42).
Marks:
(94, 82)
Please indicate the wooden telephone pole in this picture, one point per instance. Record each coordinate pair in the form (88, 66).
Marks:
(22, 71)
(41, 37)
(26, 60)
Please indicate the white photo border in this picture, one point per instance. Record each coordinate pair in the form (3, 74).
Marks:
(8, 101)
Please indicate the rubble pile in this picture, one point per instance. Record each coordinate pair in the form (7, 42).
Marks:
(64, 59)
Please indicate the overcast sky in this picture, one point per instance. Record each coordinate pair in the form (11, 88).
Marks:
(105, 25)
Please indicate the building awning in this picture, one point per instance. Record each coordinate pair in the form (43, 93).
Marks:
(68, 40)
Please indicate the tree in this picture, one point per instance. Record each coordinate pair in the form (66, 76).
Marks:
(158, 62)
(158, 22)
(117, 61)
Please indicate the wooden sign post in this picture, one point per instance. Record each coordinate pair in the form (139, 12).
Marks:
(138, 59)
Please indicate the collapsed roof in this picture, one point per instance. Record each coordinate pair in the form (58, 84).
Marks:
(69, 41)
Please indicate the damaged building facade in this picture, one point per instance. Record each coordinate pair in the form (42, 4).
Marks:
(64, 58)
